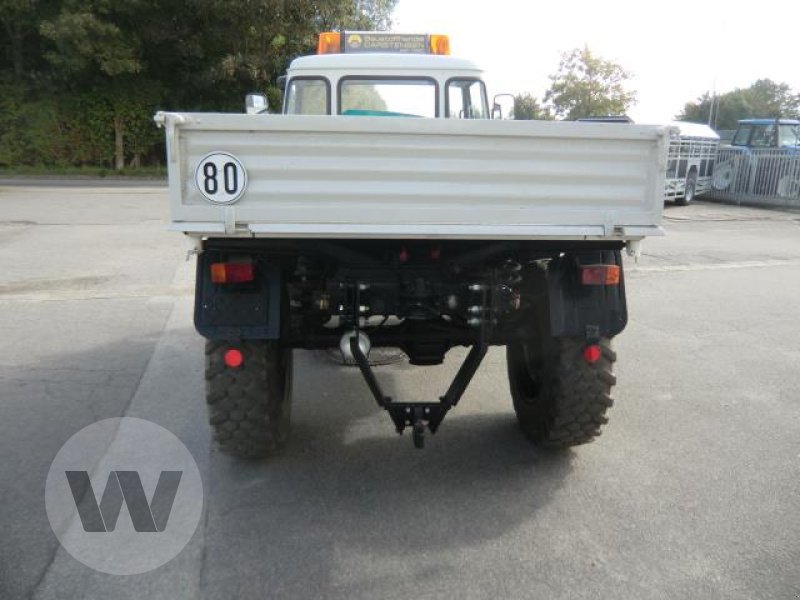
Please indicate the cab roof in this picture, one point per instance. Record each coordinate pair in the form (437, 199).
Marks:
(769, 121)
(381, 62)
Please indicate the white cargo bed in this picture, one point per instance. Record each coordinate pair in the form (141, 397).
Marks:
(378, 177)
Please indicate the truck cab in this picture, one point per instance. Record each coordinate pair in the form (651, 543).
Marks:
(783, 134)
(762, 160)
(424, 86)
(382, 83)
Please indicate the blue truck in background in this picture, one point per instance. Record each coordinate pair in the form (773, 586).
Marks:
(763, 159)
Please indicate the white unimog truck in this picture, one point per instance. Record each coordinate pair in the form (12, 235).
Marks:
(389, 206)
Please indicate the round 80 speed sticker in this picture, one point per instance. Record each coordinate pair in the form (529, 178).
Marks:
(220, 177)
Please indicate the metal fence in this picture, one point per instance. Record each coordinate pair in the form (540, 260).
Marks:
(765, 176)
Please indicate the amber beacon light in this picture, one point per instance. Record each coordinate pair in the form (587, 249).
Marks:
(440, 44)
(330, 42)
(357, 42)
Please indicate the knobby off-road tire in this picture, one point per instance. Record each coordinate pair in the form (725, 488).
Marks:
(249, 407)
(560, 399)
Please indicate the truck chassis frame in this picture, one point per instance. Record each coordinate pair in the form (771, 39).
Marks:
(440, 293)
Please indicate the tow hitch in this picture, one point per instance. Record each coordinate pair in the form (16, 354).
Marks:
(419, 415)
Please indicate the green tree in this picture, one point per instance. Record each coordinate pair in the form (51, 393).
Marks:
(587, 85)
(361, 15)
(249, 44)
(90, 48)
(20, 42)
(764, 98)
(527, 107)
(81, 79)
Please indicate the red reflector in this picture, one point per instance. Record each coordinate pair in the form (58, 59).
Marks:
(232, 272)
(234, 358)
(600, 275)
(592, 353)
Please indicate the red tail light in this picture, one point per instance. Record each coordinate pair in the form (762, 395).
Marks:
(600, 275)
(232, 272)
(234, 358)
(592, 354)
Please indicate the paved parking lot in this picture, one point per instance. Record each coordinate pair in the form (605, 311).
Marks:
(693, 491)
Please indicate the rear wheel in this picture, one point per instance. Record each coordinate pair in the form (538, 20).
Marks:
(723, 176)
(560, 398)
(689, 190)
(789, 186)
(249, 406)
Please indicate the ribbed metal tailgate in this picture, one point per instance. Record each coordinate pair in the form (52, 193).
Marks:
(383, 177)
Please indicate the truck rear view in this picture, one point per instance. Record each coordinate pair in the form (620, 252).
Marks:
(387, 208)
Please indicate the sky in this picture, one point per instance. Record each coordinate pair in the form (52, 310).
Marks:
(676, 51)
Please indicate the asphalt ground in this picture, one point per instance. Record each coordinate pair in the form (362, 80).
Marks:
(693, 490)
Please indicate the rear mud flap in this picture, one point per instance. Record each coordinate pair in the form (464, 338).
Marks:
(240, 311)
(576, 308)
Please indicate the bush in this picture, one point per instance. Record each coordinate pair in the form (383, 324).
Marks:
(75, 130)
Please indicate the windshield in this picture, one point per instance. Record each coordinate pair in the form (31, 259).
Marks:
(742, 135)
(308, 96)
(767, 135)
(789, 135)
(763, 136)
(398, 97)
(466, 99)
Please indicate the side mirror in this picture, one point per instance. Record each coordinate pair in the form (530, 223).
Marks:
(503, 106)
(281, 81)
(255, 104)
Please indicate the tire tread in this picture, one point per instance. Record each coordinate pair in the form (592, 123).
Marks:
(248, 406)
(571, 397)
